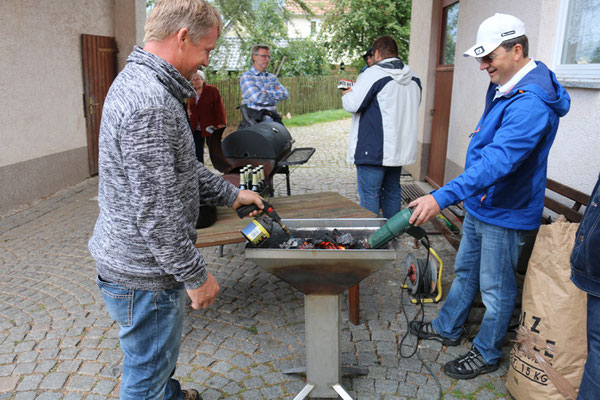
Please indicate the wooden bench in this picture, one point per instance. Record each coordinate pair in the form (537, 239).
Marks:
(579, 199)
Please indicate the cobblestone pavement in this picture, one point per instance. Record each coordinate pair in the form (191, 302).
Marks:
(58, 342)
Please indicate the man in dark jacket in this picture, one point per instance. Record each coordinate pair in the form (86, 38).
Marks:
(503, 191)
(149, 191)
(585, 274)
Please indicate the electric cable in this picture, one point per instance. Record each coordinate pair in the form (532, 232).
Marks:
(419, 297)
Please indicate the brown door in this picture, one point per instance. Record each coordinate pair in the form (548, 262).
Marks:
(442, 100)
(99, 55)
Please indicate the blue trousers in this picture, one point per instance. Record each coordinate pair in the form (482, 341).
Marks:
(379, 189)
(486, 262)
(590, 383)
(151, 324)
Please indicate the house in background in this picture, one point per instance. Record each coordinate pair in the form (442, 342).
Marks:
(58, 60)
(564, 34)
(301, 25)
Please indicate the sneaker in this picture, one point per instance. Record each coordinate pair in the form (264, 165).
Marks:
(469, 366)
(191, 394)
(424, 330)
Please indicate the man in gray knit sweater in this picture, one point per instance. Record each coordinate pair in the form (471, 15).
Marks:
(149, 191)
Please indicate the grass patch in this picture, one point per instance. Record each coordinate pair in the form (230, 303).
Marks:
(252, 329)
(316, 117)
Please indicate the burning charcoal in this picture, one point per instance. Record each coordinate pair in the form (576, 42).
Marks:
(324, 237)
(307, 245)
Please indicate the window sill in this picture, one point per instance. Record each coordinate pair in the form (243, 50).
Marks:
(570, 83)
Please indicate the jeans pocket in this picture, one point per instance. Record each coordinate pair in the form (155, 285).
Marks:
(118, 300)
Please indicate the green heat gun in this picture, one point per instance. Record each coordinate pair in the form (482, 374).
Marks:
(395, 226)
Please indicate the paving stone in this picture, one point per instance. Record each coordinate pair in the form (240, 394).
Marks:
(25, 396)
(6, 370)
(8, 383)
(252, 395)
(104, 387)
(386, 386)
(81, 383)
(45, 366)
(253, 383)
(54, 381)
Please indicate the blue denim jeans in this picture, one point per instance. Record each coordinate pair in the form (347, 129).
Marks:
(590, 383)
(150, 323)
(486, 262)
(379, 189)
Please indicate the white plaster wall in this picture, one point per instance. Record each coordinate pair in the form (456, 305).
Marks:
(41, 83)
(575, 156)
(299, 26)
(422, 58)
(130, 17)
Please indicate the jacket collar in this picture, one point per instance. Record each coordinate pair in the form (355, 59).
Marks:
(166, 73)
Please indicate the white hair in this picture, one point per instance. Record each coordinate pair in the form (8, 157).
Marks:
(200, 73)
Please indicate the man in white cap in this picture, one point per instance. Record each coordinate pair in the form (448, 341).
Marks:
(502, 187)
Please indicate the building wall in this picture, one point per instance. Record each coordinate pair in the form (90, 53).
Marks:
(422, 55)
(573, 159)
(299, 26)
(42, 126)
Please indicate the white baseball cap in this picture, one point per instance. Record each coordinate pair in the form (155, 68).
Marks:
(493, 31)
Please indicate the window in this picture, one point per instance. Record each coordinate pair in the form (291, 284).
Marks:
(577, 49)
(313, 27)
(449, 29)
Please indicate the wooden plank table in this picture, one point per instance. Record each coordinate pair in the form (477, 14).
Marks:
(313, 205)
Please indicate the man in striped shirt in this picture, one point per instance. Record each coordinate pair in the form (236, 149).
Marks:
(261, 90)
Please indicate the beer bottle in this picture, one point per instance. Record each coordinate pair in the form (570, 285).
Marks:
(261, 177)
(249, 175)
(243, 182)
(255, 181)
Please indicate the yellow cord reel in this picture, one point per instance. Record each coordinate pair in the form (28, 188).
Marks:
(424, 278)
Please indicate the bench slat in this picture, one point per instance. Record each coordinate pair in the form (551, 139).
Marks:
(570, 214)
(568, 192)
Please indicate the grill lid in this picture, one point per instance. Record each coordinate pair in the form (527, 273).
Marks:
(265, 140)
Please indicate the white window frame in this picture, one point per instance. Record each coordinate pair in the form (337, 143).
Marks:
(573, 73)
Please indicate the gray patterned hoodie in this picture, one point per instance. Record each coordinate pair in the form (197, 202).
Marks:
(150, 182)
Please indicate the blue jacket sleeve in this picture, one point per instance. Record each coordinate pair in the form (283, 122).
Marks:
(523, 125)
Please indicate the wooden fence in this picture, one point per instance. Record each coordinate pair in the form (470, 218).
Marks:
(307, 94)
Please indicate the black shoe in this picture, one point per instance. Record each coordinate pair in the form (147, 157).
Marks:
(424, 330)
(191, 394)
(469, 366)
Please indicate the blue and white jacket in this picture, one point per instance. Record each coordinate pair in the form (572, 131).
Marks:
(384, 102)
(504, 180)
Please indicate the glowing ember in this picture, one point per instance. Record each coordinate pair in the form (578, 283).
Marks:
(329, 245)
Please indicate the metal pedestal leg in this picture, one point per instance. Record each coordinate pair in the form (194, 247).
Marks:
(323, 353)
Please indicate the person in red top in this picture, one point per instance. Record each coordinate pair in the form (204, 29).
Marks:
(204, 110)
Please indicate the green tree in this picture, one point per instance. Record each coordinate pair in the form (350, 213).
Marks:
(305, 57)
(265, 22)
(352, 25)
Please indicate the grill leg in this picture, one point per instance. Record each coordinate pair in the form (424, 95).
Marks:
(322, 341)
(287, 180)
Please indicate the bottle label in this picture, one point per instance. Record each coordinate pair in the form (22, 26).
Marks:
(255, 232)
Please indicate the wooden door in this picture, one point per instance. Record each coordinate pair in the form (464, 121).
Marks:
(99, 56)
(442, 100)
